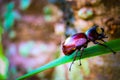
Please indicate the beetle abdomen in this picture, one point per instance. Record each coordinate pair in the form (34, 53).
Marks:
(67, 50)
(74, 42)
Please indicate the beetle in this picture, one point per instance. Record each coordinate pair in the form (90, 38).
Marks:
(79, 41)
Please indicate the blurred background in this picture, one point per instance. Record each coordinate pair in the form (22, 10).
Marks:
(32, 31)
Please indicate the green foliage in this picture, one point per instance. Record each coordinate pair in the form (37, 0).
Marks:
(1, 31)
(9, 16)
(9, 7)
(9, 21)
(3, 65)
(47, 13)
(47, 10)
(24, 4)
(89, 52)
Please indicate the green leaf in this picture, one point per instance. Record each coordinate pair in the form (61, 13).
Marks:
(1, 31)
(9, 9)
(3, 65)
(10, 6)
(10, 15)
(24, 4)
(47, 10)
(89, 52)
(9, 21)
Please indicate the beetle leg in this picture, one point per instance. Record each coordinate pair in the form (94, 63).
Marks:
(105, 46)
(73, 59)
(82, 49)
(103, 40)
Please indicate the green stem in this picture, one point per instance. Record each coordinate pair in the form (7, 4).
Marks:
(89, 52)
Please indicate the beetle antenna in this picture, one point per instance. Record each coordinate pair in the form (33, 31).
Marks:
(73, 59)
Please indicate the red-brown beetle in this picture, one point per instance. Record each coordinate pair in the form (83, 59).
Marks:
(80, 41)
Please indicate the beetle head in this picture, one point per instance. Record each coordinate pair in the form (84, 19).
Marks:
(95, 33)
